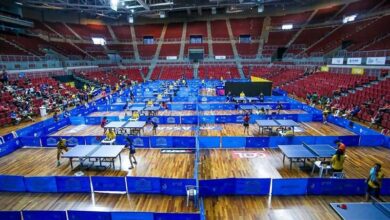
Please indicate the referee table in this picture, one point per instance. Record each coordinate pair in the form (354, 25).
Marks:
(127, 127)
(88, 155)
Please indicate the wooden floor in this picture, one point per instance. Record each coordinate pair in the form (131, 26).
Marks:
(214, 164)
(219, 163)
(42, 162)
(216, 208)
(306, 129)
(274, 208)
(190, 112)
(93, 202)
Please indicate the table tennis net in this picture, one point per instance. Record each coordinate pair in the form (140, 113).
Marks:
(381, 207)
(310, 149)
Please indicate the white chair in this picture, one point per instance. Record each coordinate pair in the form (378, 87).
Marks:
(192, 192)
(321, 168)
(108, 142)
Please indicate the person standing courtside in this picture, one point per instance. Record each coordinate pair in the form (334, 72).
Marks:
(131, 152)
(374, 182)
(103, 123)
(246, 123)
(61, 146)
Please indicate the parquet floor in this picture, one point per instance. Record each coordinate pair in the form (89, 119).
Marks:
(307, 129)
(42, 162)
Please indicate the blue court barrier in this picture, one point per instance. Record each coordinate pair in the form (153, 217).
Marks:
(331, 186)
(224, 119)
(9, 183)
(161, 142)
(72, 141)
(172, 119)
(50, 141)
(233, 142)
(10, 215)
(44, 215)
(207, 119)
(289, 187)
(251, 186)
(8, 137)
(30, 141)
(372, 140)
(82, 215)
(10, 146)
(385, 188)
(117, 107)
(41, 184)
(143, 185)
(183, 142)
(176, 216)
(77, 120)
(175, 107)
(108, 183)
(175, 187)
(89, 140)
(73, 184)
(257, 142)
(189, 119)
(209, 142)
(217, 187)
(132, 216)
(94, 120)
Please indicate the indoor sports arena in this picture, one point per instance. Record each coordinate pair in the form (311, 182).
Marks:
(194, 109)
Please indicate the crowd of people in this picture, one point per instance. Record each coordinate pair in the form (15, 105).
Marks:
(22, 98)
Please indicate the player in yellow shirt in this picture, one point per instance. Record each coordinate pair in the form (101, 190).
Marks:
(135, 115)
(242, 94)
(337, 161)
(61, 146)
(110, 135)
(159, 96)
(149, 103)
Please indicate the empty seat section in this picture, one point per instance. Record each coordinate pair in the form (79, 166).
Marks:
(219, 30)
(174, 32)
(280, 38)
(197, 28)
(172, 72)
(248, 26)
(324, 14)
(153, 30)
(169, 50)
(222, 49)
(61, 29)
(247, 50)
(122, 32)
(358, 7)
(196, 46)
(147, 51)
(218, 71)
(295, 19)
(124, 50)
(99, 30)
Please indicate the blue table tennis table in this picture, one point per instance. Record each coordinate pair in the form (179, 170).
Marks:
(152, 110)
(363, 211)
(269, 124)
(302, 152)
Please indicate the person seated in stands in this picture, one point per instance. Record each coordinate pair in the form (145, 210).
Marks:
(385, 131)
(377, 119)
(27, 115)
(110, 135)
(261, 97)
(322, 101)
(314, 99)
(242, 94)
(337, 113)
(287, 133)
(354, 112)
(347, 112)
(308, 97)
(14, 117)
(337, 161)
(385, 108)
(135, 115)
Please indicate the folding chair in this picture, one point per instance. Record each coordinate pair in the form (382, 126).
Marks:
(192, 192)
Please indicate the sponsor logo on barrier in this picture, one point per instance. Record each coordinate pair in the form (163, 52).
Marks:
(248, 154)
(171, 120)
(73, 141)
(161, 142)
(337, 60)
(51, 141)
(138, 142)
(156, 119)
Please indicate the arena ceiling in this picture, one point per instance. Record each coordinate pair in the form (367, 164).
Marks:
(162, 8)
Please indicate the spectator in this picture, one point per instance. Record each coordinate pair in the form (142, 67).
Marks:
(377, 119)
(15, 118)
